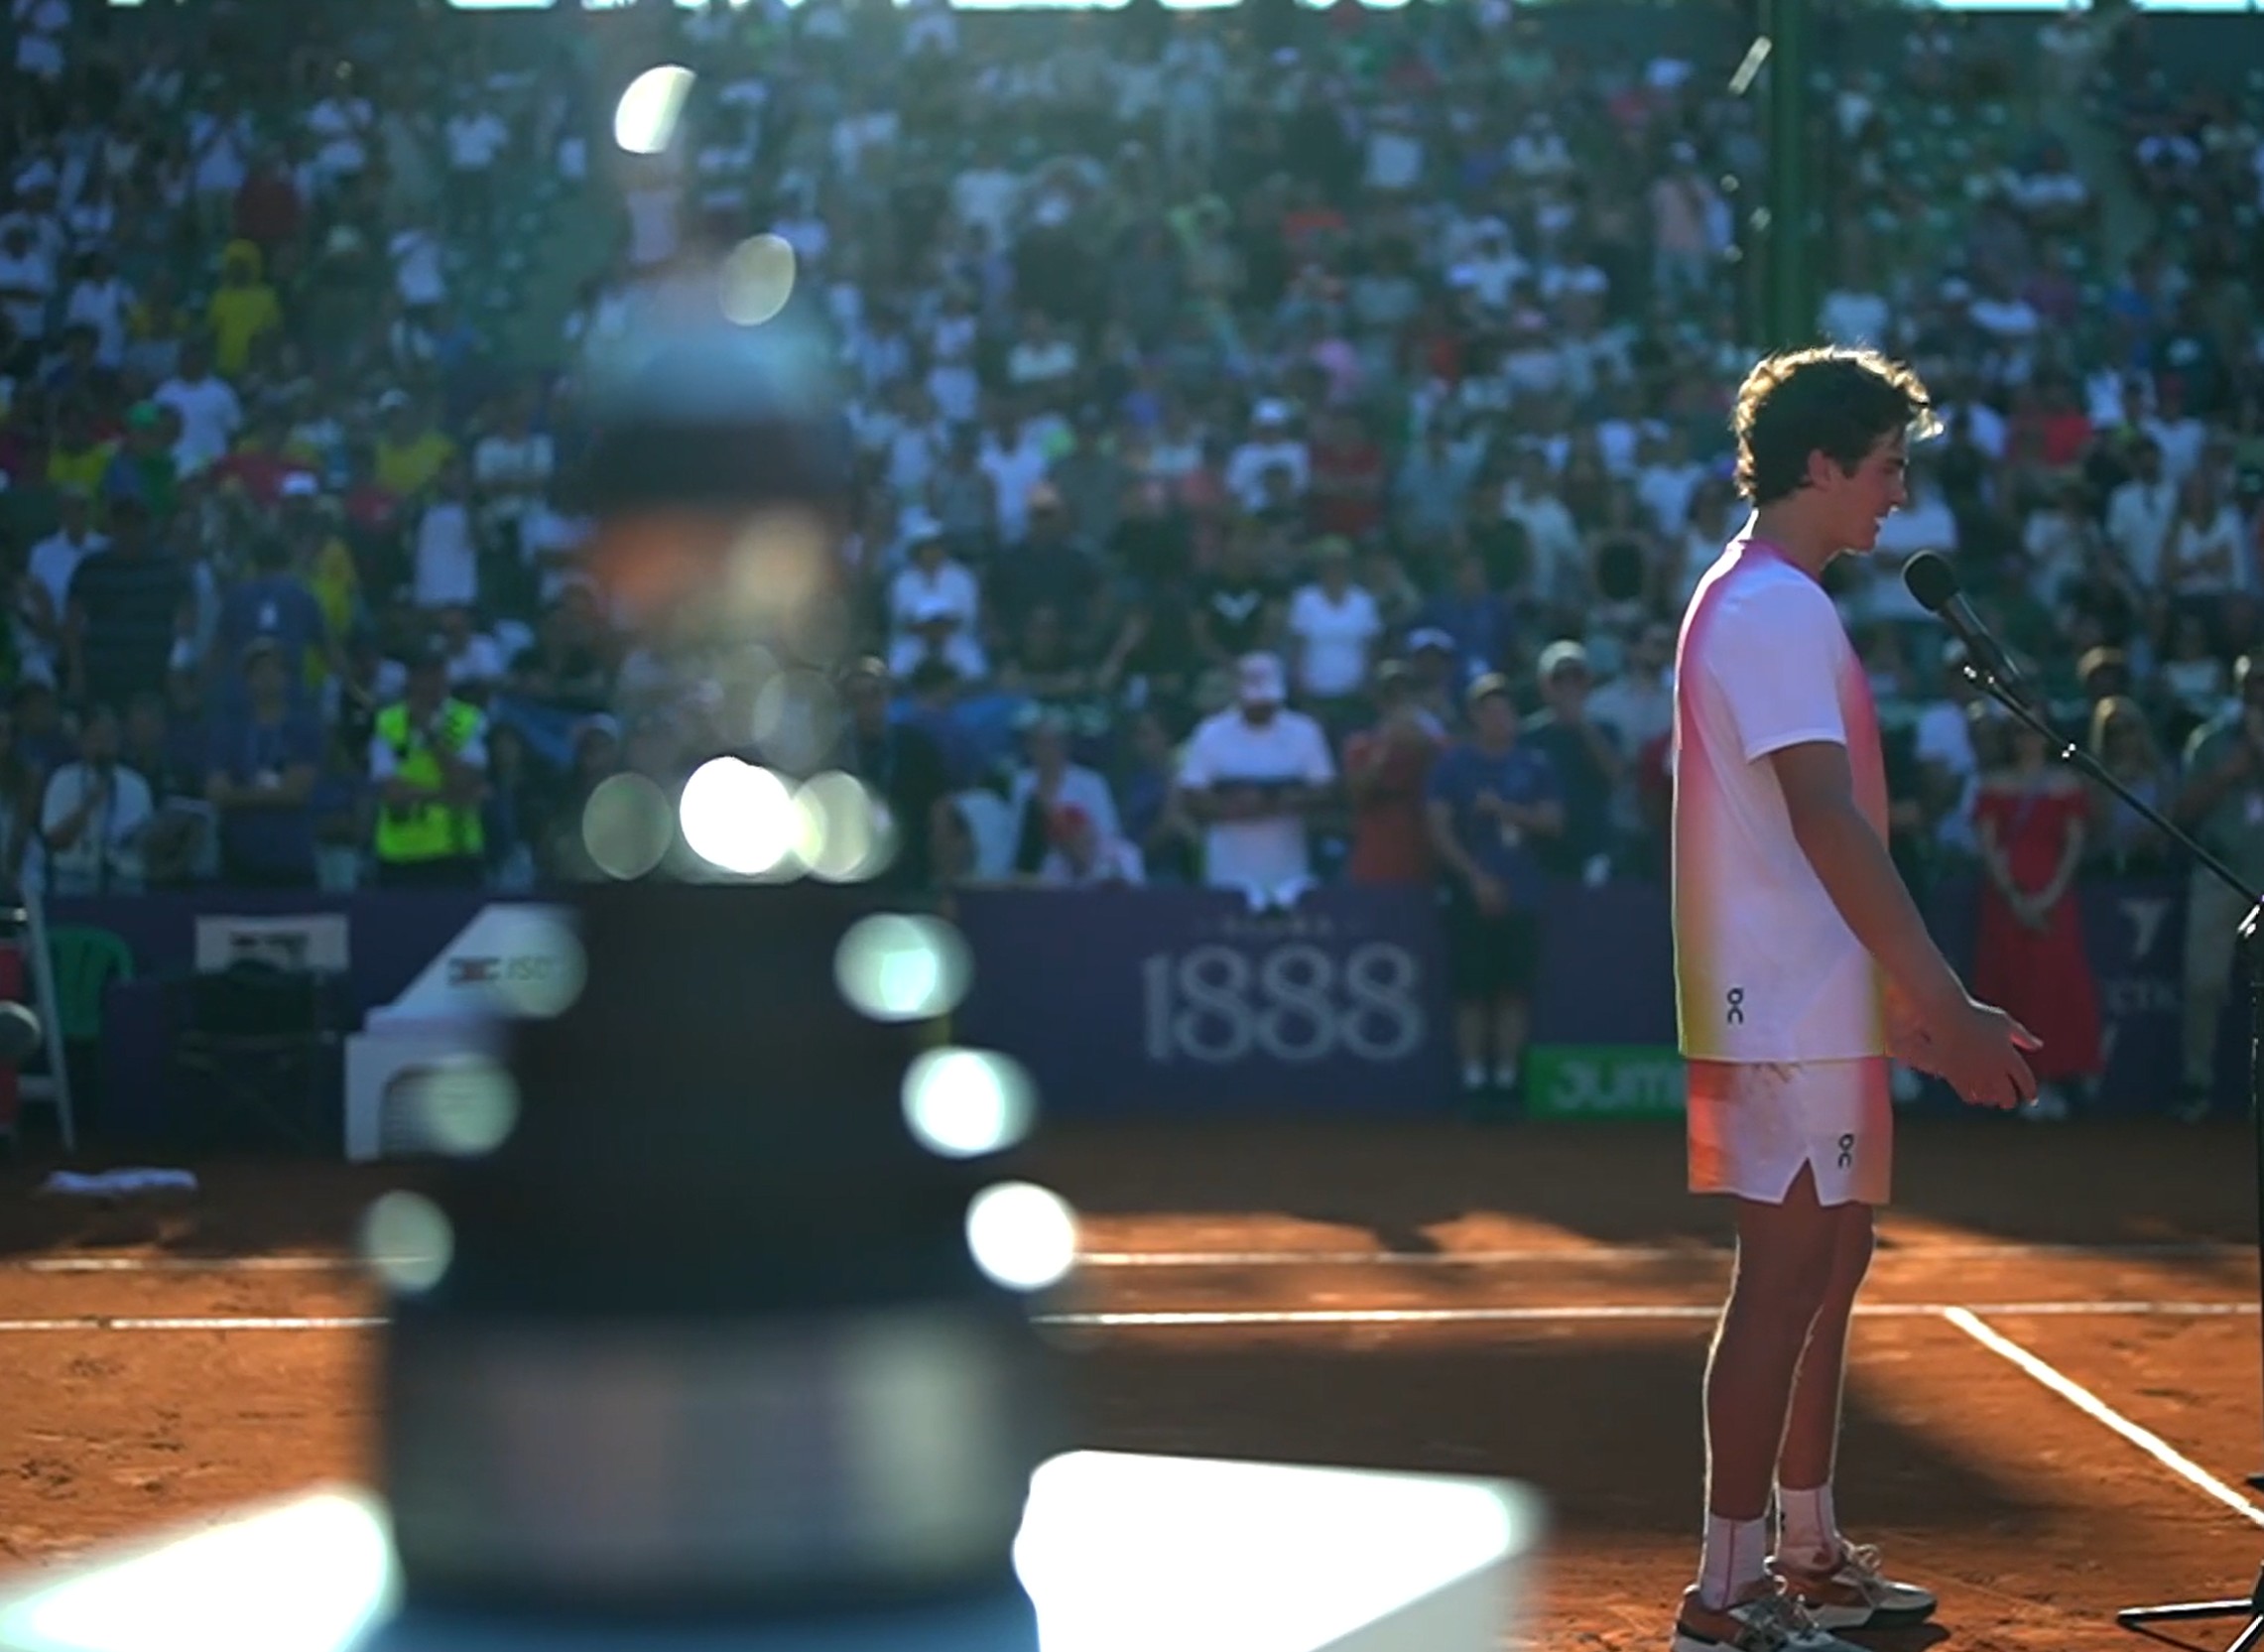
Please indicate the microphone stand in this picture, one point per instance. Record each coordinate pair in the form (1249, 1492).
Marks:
(2251, 950)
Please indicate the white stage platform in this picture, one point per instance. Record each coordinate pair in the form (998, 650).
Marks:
(1118, 1553)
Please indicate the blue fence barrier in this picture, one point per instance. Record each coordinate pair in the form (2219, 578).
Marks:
(1186, 1001)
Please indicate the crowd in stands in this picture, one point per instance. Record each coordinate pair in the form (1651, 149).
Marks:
(1241, 398)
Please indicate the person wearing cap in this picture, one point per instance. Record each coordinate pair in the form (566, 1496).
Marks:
(427, 760)
(260, 772)
(1588, 757)
(273, 603)
(1492, 800)
(1250, 775)
(1270, 448)
(933, 585)
(144, 465)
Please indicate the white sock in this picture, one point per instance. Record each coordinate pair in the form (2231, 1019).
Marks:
(1505, 1075)
(1474, 1075)
(1808, 1528)
(1731, 1561)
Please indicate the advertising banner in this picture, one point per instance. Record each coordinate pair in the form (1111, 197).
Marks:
(1186, 1001)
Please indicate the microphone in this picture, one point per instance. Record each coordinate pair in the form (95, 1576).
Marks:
(1934, 584)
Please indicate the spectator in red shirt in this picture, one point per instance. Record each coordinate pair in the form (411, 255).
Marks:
(1387, 767)
(1347, 490)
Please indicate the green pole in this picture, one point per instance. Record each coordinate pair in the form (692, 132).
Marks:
(1791, 298)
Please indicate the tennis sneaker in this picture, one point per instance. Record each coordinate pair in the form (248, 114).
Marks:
(1854, 1593)
(1766, 1621)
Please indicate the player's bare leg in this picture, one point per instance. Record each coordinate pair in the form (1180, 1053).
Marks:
(1785, 1257)
(1842, 1585)
(1812, 1424)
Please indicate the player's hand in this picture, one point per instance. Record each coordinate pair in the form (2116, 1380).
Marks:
(1487, 891)
(1979, 1050)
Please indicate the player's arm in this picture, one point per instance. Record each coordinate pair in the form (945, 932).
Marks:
(1851, 860)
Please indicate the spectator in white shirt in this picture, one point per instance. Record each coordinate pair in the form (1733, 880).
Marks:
(2139, 515)
(511, 468)
(2203, 560)
(100, 300)
(95, 815)
(446, 570)
(206, 406)
(1080, 855)
(1043, 357)
(1251, 774)
(1270, 448)
(1049, 783)
(1334, 625)
(27, 282)
(930, 576)
(46, 596)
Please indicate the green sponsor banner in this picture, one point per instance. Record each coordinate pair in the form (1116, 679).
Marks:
(1603, 1080)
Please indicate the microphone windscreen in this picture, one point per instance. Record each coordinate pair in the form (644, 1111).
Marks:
(1930, 580)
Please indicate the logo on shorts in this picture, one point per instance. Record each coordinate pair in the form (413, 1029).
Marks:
(1847, 1152)
(1736, 1009)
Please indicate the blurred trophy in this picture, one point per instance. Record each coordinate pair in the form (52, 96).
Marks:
(717, 1315)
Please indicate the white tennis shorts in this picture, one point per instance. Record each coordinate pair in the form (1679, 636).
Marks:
(1754, 1124)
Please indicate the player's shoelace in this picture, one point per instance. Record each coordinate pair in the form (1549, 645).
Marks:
(1775, 1622)
(1864, 1560)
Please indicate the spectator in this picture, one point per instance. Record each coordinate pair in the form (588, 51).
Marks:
(274, 607)
(2220, 801)
(1586, 760)
(1252, 775)
(95, 815)
(1049, 783)
(129, 614)
(264, 764)
(428, 762)
(1333, 627)
(901, 763)
(2124, 842)
(1082, 852)
(2029, 957)
(1491, 798)
(1387, 773)
(23, 859)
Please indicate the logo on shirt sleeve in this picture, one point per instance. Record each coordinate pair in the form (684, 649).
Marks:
(1734, 1011)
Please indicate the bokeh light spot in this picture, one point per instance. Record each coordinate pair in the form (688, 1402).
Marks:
(644, 121)
(408, 1241)
(464, 1107)
(842, 836)
(895, 968)
(739, 818)
(963, 1103)
(1021, 1235)
(627, 826)
(757, 279)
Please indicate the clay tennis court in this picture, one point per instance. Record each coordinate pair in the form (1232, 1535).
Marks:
(1531, 1302)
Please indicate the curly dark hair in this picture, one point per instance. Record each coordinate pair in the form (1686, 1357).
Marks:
(1830, 400)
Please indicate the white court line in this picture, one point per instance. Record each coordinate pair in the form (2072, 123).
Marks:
(1173, 1319)
(2091, 1406)
(1542, 1255)
(1631, 1255)
(103, 1321)
(1569, 1312)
